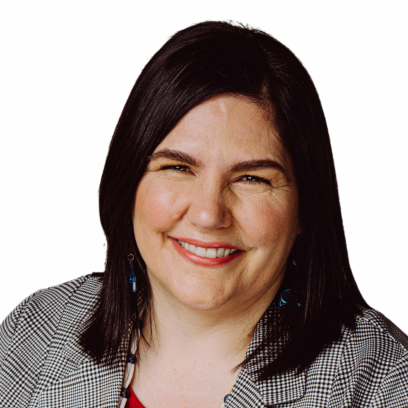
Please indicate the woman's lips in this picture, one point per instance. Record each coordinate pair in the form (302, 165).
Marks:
(204, 261)
(203, 244)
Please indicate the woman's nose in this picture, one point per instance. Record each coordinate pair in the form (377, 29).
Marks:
(208, 208)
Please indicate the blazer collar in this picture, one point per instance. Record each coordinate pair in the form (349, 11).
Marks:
(278, 389)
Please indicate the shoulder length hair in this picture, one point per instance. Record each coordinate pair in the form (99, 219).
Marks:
(194, 65)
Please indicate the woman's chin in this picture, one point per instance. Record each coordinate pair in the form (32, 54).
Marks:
(200, 297)
(201, 304)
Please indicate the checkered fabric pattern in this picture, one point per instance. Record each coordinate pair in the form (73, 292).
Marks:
(42, 365)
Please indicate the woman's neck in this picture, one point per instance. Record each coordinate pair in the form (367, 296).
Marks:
(207, 336)
(192, 353)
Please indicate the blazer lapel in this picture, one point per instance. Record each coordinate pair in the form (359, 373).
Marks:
(279, 389)
(71, 378)
(85, 384)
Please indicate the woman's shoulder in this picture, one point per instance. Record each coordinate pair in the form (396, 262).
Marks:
(378, 333)
(38, 339)
(375, 343)
(52, 299)
(373, 364)
(83, 288)
(43, 310)
(367, 366)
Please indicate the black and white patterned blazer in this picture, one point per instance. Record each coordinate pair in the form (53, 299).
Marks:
(42, 365)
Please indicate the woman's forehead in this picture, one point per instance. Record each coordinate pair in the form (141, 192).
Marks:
(225, 122)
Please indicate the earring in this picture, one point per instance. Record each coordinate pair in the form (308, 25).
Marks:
(132, 275)
(288, 295)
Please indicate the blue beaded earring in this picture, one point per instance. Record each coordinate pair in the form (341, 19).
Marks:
(288, 296)
(132, 275)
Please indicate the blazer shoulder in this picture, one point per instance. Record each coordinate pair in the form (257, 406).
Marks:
(372, 323)
(46, 303)
(372, 370)
(57, 296)
(33, 335)
(44, 307)
(375, 342)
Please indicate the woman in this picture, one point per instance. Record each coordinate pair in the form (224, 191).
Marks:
(227, 279)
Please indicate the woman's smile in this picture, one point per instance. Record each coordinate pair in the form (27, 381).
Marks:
(205, 255)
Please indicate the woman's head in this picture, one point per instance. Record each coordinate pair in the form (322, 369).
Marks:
(181, 101)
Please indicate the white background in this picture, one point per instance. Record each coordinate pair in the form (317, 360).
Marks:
(68, 66)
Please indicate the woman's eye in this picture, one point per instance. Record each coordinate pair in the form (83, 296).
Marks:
(177, 168)
(247, 179)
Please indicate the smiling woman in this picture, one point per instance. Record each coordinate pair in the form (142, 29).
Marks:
(227, 279)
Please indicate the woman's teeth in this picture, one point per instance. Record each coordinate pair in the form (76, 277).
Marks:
(207, 252)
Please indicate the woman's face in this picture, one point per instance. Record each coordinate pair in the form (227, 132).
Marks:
(219, 180)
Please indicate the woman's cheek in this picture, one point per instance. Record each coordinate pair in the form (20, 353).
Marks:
(266, 219)
(160, 203)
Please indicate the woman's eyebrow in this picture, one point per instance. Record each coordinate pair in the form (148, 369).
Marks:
(248, 165)
(175, 155)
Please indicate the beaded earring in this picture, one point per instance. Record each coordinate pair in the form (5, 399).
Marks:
(132, 275)
(288, 296)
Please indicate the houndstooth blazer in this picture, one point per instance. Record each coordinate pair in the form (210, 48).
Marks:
(42, 365)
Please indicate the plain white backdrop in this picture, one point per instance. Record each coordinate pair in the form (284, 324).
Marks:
(68, 67)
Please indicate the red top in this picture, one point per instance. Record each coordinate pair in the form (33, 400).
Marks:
(133, 402)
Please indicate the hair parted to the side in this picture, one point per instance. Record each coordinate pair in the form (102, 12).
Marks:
(195, 64)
